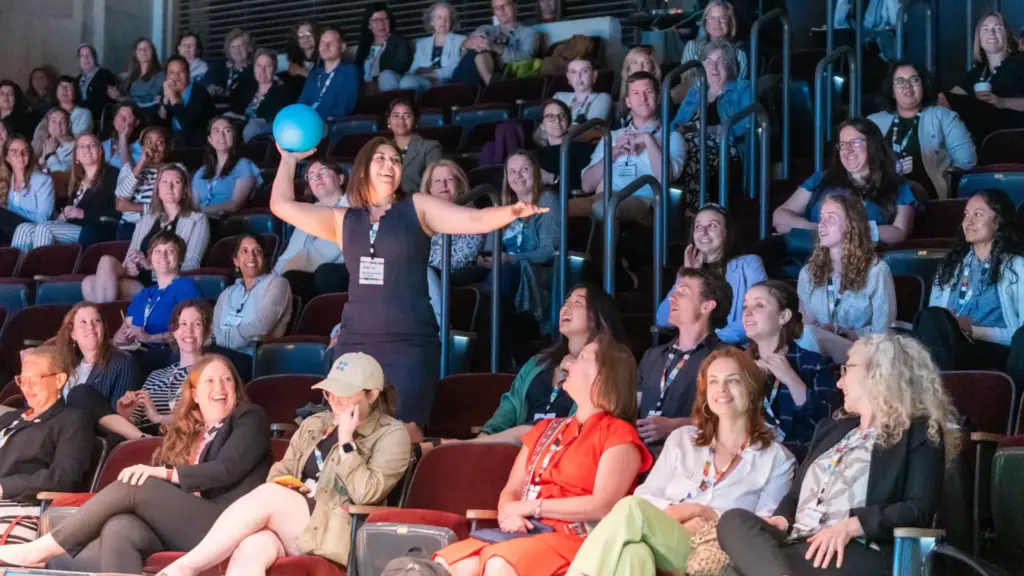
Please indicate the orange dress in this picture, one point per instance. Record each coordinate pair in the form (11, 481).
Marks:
(570, 471)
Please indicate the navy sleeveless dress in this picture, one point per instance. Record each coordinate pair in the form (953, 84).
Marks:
(393, 322)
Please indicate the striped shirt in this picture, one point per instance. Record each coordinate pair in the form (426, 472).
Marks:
(119, 374)
(164, 387)
(139, 191)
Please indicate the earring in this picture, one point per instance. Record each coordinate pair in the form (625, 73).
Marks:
(704, 410)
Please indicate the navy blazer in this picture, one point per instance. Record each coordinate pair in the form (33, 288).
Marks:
(51, 453)
(96, 97)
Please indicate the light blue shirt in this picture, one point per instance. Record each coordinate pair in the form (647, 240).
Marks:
(115, 159)
(904, 197)
(982, 304)
(34, 202)
(209, 192)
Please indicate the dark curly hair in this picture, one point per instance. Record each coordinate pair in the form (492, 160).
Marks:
(786, 298)
(883, 183)
(858, 255)
(887, 97)
(1005, 246)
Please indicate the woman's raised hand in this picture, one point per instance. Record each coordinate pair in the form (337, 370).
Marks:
(294, 156)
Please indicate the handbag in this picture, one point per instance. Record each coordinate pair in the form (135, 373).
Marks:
(706, 556)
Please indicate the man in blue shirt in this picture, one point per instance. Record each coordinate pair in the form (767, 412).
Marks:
(332, 88)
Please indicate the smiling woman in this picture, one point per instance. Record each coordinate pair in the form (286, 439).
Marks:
(223, 183)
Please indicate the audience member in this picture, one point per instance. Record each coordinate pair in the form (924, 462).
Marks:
(846, 291)
(549, 11)
(236, 72)
(492, 47)
(47, 447)
(14, 111)
(638, 59)
(94, 83)
(436, 55)
(719, 27)
(584, 103)
(445, 180)
(799, 384)
(976, 306)
(681, 498)
(91, 203)
(636, 150)
(877, 466)
(224, 182)
(555, 120)
(588, 315)
(367, 453)
(991, 96)
(144, 83)
(41, 91)
(56, 143)
(339, 101)
(927, 140)
(311, 265)
(187, 106)
(570, 472)
(136, 182)
(68, 99)
(268, 97)
(257, 305)
(713, 247)
(190, 47)
(383, 55)
(26, 194)
(417, 152)
(216, 450)
(305, 39)
(124, 146)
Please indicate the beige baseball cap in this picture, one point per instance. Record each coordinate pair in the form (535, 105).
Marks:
(352, 373)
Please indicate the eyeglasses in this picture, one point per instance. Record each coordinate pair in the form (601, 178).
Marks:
(844, 367)
(32, 382)
(553, 117)
(902, 82)
(856, 144)
(305, 34)
(317, 174)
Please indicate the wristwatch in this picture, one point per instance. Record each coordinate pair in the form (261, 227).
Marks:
(348, 447)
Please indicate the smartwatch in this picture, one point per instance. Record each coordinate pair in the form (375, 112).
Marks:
(348, 447)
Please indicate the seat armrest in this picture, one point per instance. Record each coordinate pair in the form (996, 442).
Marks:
(918, 533)
(482, 514)
(51, 495)
(29, 343)
(283, 428)
(987, 437)
(40, 277)
(364, 510)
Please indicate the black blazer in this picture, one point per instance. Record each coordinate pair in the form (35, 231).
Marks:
(235, 461)
(193, 117)
(51, 453)
(277, 98)
(904, 480)
(397, 54)
(99, 201)
(96, 97)
(218, 76)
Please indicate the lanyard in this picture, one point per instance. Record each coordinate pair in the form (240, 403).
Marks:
(669, 374)
(319, 455)
(852, 439)
(373, 238)
(552, 434)
(257, 99)
(207, 438)
(210, 184)
(898, 148)
(769, 400)
(323, 89)
(151, 303)
(6, 433)
(707, 479)
(835, 298)
(435, 56)
(247, 293)
(965, 293)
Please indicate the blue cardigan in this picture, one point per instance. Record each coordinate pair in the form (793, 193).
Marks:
(734, 98)
(340, 98)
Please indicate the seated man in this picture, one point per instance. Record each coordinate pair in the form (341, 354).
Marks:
(699, 304)
(636, 150)
(332, 88)
(490, 48)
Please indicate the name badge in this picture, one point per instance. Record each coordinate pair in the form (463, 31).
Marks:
(625, 171)
(232, 320)
(905, 165)
(311, 484)
(371, 271)
(653, 413)
(538, 417)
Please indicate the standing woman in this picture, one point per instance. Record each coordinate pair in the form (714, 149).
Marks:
(385, 237)
(93, 82)
(26, 197)
(57, 143)
(144, 83)
(190, 47)
(91, 205)
(14, 111)
(136, 182)
(436, 55)
(268, 97)
(223, 183)
(383, 55)
(417, 152)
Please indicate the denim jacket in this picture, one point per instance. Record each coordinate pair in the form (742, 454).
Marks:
(734, 98)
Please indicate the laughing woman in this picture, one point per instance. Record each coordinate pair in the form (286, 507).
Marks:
(258, 304)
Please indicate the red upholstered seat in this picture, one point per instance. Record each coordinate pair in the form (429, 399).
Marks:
(465, 401)
(123, 455)
(281, 395)
(291, 566)
(984, 396)
(91, 256)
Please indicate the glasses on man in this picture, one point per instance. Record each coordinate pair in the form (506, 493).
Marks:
(552, 117)
(32, 381)
(903, 82)
(856, 144)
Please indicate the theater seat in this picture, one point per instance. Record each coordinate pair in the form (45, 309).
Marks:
(50, 260)
(281, 395)
(28, 327)
(512, 90)
(921, 263)
(444, 96)
(464, 402)
(939, 218)
(8, 261)
(985, 397)
(1006, 178)
(92, 254)
(378, 103)
(255, 222)
(910, 297)
(14, 294)
(59, 292)
(448, 136)
(469, 116)
(289, 358)
(321, 314)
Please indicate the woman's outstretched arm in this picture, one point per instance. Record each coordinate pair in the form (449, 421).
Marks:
(320, 221)
(440, 216)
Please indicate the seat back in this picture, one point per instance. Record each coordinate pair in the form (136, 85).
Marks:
(512, 90)
(191, 158)
(460, 351)
(448, 136)
(349, 145)
(910, 294)
(465, 401)
(278, 447)
(1001, 147)
(470, 116)
(99, 456)
(91, 255)
(289, 358)
(365, 124)
(125, 454)
(37, 323)
(984, 396)
(281, 395)
(14, 295)
(939, 218)
(1009, 181)
(59, 292)
(458, 477)
(210, 285)
(464, 309)
(52, 260)
(321, 314)
(378, 103)
(254, 222)
(493, 175)
(8, 261)
(920, 262)
(445, 96)
(1008, 500)
(113, 313)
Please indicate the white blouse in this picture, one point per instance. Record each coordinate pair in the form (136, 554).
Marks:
(758, 482)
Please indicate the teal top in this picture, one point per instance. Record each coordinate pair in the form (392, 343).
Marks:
(512, 410)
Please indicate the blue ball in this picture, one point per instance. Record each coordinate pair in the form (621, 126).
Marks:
(298, 128)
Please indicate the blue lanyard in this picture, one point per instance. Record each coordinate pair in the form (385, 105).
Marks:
(323, 89)
(151, 303)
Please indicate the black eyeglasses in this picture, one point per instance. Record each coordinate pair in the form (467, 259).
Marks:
(844, 367)
(902, 82)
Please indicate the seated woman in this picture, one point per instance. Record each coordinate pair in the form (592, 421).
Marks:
(436, 55)
(713, 246)
(638, 59)
(861, 163)
(67, 99)
(588, 315)
(584, 103)
(91, 205)
(927, 140)
(311, 265)
(223, 183)
(186, 106)
(124, 146)
(876, 466)
(976, 308)
(268, 96)
(651, 530)
(569, 473)
(719, 25)
(726, 96)
(235, 74)
(417, 152)
(991, 96)
(26, 194)
(47, 447)
(40, 91)
(55, 143)
(846, 291)
(799, 384)
(14, 110)
(257, 305)
(216, 450)
(144, 82)
(356, 449)
(136, 182)
(190, 47)
(556, 118)
(171, 212)
(383, 55)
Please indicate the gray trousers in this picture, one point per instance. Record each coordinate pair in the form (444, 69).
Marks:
(121, 526)
(757, 548)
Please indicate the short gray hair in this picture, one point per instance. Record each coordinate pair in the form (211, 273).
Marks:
(428, 16)
(728, 54)
(268, 52)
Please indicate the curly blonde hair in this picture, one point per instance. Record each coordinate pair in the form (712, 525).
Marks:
(858, 255)
(902, 383)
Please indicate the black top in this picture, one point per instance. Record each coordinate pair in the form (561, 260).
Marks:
(98, 200)
(311, 471)
(20, 123)
(904, 136)
(157, 228)
(435, 56)
(230, 80)
(538, 398)
(981, 117)
(193, 117)
(1007, 80)
(396, 56)
(50, 453)
(96, 97)
(904, 480)
(579, 157)
(235, 461)
(682, 390)
(714, 118)
(276, 98)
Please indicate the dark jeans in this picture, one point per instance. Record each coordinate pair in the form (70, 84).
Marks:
(9, 221)
(121, 526)
(124, 231)
(466, 72)
(757, 548)
(96, 232)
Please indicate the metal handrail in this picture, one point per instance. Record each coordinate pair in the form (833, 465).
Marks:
(765, 126)
(666, 106)
(610, 236)
(929, 37)
(787, 80)
(446, 282)
(858, 54)
(819, 92)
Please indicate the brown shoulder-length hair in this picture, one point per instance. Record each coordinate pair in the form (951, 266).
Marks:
(201, 306)
(135, 69)
(67, 347)
(508, 196)
(187, 427)
(78, 171)
(614, 389)
(1009, 46)
(706, 421)
(359, 181)
(786, 298)
(858, 255)
(188, 206)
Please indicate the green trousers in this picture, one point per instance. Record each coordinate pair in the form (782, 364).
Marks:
(635, 539)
